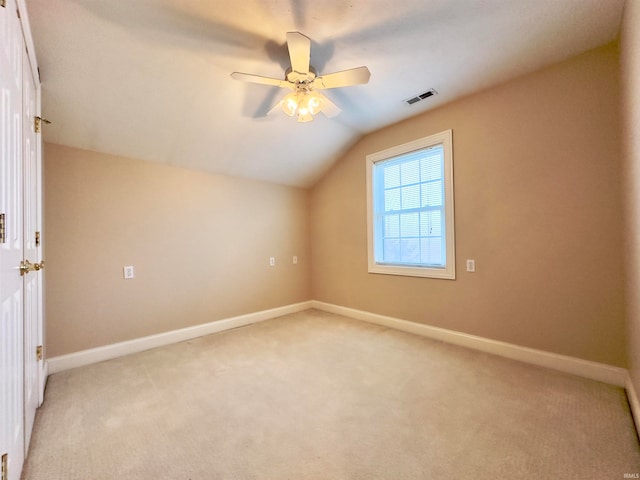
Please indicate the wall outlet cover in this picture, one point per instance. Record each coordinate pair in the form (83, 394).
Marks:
(471, 265)
(128, 272)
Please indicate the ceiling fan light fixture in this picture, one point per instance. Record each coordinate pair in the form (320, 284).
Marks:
(303, 103)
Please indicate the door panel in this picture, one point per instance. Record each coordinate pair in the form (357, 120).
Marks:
(31, 284)
(11, 251)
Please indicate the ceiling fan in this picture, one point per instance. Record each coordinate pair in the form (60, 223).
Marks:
(305, 100)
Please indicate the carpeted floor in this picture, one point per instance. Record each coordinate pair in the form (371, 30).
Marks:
(319, 396)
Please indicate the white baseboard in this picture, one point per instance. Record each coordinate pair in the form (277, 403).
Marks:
(108, 352)
(632, 396)
(584, 368)
(593, 370)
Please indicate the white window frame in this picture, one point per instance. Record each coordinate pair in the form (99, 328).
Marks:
(447, 272)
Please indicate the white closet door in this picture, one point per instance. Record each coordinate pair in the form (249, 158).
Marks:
(11, 246)
(31, 280)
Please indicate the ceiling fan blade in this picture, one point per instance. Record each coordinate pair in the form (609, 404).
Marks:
(299, 52)
(247, 77)
(329, 108)
(345, 78)
(277, 108)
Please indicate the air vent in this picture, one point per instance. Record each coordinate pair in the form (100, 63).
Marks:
(422, 96)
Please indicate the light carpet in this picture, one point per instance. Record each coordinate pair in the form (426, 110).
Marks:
(319, 396)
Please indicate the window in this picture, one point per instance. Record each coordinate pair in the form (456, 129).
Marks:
(410, 209)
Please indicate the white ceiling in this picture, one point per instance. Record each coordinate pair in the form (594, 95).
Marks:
(150, 79)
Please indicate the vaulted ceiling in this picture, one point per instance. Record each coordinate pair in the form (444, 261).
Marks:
(150, 79)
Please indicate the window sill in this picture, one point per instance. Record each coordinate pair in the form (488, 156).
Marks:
(425, 272)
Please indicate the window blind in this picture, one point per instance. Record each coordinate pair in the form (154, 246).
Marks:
(409, 203)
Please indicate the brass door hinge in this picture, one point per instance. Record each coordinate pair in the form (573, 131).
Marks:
(39, 352)
(37, 239)
(5, 466)
(3, 231)
(37, 123)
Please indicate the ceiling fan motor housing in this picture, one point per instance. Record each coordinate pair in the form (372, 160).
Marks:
(300, 77)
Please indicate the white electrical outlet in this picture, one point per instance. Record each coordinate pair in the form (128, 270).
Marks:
(471, 266)
(272, 261)
(128, 272)
(295, 260)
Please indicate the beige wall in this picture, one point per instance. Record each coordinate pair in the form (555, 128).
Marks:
(538, 206)
(200, 245)
(630, 46)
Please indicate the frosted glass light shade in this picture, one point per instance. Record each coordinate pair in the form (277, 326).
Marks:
(290, 104)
